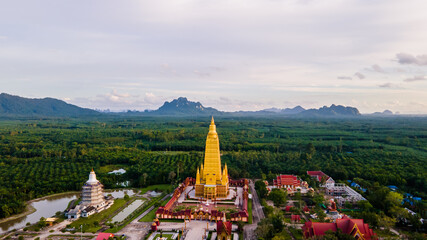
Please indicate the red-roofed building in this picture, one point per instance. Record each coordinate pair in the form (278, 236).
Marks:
(104, 236)
(295, 218)
(318, 175)
(288, 208)
(223, 230)
(287, 181)
(353, 227)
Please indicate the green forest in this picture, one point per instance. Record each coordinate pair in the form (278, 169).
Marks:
(39, 157)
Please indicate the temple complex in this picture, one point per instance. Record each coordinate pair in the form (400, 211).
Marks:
(211, 194)
(211, 182)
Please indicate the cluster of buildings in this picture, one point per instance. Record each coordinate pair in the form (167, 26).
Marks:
(339, 191)
(92, 199)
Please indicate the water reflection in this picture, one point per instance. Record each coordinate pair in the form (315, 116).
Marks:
(50, 205)
(128, 210)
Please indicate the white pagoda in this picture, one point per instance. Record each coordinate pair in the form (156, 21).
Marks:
(93, 192)
(93, 199)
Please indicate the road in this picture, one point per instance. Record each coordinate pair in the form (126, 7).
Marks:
(257, 214)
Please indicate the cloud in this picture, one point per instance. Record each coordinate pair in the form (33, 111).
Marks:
(201, 74)
(386, 85)
(377, 68)
(344, 78)
(217, 69)
(416, 78)
(406, 58)
(116, 101)
(359, 75)
(117, 97)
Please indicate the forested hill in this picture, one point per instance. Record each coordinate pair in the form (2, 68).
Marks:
(333, 110)
(19, 106)
(182, 106)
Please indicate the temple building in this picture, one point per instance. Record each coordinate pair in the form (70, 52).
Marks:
(356, 228)
(93, 199)
(211, 182)
(93, 192)
(290, 182)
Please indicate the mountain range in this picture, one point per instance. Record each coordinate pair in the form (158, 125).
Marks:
(50, 107)
(15, 105)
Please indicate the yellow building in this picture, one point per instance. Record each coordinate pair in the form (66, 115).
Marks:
(211, 182)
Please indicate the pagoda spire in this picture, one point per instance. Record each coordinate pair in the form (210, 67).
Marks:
(212, 127)
(212, 163)
(225, 175)
(198, 176)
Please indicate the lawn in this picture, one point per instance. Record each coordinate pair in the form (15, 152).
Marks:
(250, 210)
(158, 187)
(89, 224)
(167, 236)
(152, 214)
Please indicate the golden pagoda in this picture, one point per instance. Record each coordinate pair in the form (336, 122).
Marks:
(211, 182)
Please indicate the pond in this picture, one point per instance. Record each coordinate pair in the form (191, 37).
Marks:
(119, 171)
(48, 206)
(128, 210)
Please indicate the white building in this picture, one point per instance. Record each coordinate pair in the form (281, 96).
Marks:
(343, 193)
(93, 199)
(93, 192)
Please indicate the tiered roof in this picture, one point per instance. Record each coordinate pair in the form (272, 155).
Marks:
(317, 174)
(223, 227)
(287, 180)
(353, 227)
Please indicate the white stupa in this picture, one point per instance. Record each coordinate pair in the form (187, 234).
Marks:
(92, 178)
(93, 192)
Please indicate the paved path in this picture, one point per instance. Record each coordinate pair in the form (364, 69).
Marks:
(257, 214)
(195, 229)
(57, 231)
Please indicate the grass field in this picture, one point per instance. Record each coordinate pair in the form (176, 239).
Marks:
(152, 214)
(89, 224)
(250, 210)
(167, 236)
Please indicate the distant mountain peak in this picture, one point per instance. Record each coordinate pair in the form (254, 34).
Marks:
(182, 106)
(333, 110)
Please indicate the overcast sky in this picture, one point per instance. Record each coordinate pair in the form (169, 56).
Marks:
(230, 55)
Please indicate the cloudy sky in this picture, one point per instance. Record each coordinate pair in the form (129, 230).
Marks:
(227, 54)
